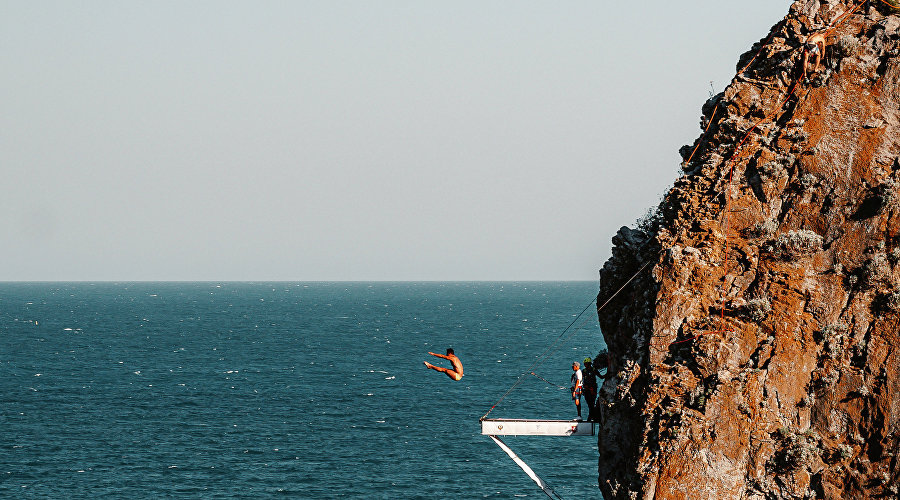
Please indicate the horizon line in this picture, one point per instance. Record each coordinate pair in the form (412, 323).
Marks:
(305, 281)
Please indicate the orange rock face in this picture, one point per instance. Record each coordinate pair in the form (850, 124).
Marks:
(758, 355)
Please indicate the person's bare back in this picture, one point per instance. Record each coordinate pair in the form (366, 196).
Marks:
(815, 46)
(456, 373)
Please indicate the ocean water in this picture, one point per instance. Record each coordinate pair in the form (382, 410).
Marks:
(291, 390)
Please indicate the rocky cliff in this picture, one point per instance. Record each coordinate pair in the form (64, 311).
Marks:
(758, 354)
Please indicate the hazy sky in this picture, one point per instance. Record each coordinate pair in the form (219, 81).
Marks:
(347, 140)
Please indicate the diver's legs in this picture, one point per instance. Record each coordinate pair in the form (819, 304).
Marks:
(450, 373)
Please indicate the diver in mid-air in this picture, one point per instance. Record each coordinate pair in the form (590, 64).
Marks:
(456, 373)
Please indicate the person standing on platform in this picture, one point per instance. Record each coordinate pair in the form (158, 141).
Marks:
(600, 364)
(577, 385)
(589, 374)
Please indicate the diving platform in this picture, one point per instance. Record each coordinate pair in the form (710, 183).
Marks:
(533, 427)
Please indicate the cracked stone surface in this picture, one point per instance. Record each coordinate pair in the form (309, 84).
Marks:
(758, 355)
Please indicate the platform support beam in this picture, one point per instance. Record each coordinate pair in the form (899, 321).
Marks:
(521, 463)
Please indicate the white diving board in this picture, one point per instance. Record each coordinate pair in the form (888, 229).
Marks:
(533, 427)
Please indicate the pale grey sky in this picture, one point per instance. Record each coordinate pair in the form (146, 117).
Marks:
(347, 140)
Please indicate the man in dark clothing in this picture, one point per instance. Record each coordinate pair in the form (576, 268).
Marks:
(599, 364)
(590, 388)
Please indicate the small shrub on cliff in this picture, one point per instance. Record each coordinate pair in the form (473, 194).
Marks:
(764, 229)
(794, 244)
(807, 401)
(888, 302)
(758, 308)
(832, 337)
(894, 256)
(796, 134)
(892, 301)
(770, 170)
(875, 271)
(787, 160)
(846, 46)
(838, 453)
(649, 222)
(887, 191)
(807, 181)
(828, 378)
(833, 330)
(795, 450)
(777, 168)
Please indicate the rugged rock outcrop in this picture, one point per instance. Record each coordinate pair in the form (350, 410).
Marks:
(758, 354)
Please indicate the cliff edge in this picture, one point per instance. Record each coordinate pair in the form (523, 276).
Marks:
(756, 353)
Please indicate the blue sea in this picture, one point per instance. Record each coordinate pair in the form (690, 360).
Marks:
(287, 390)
